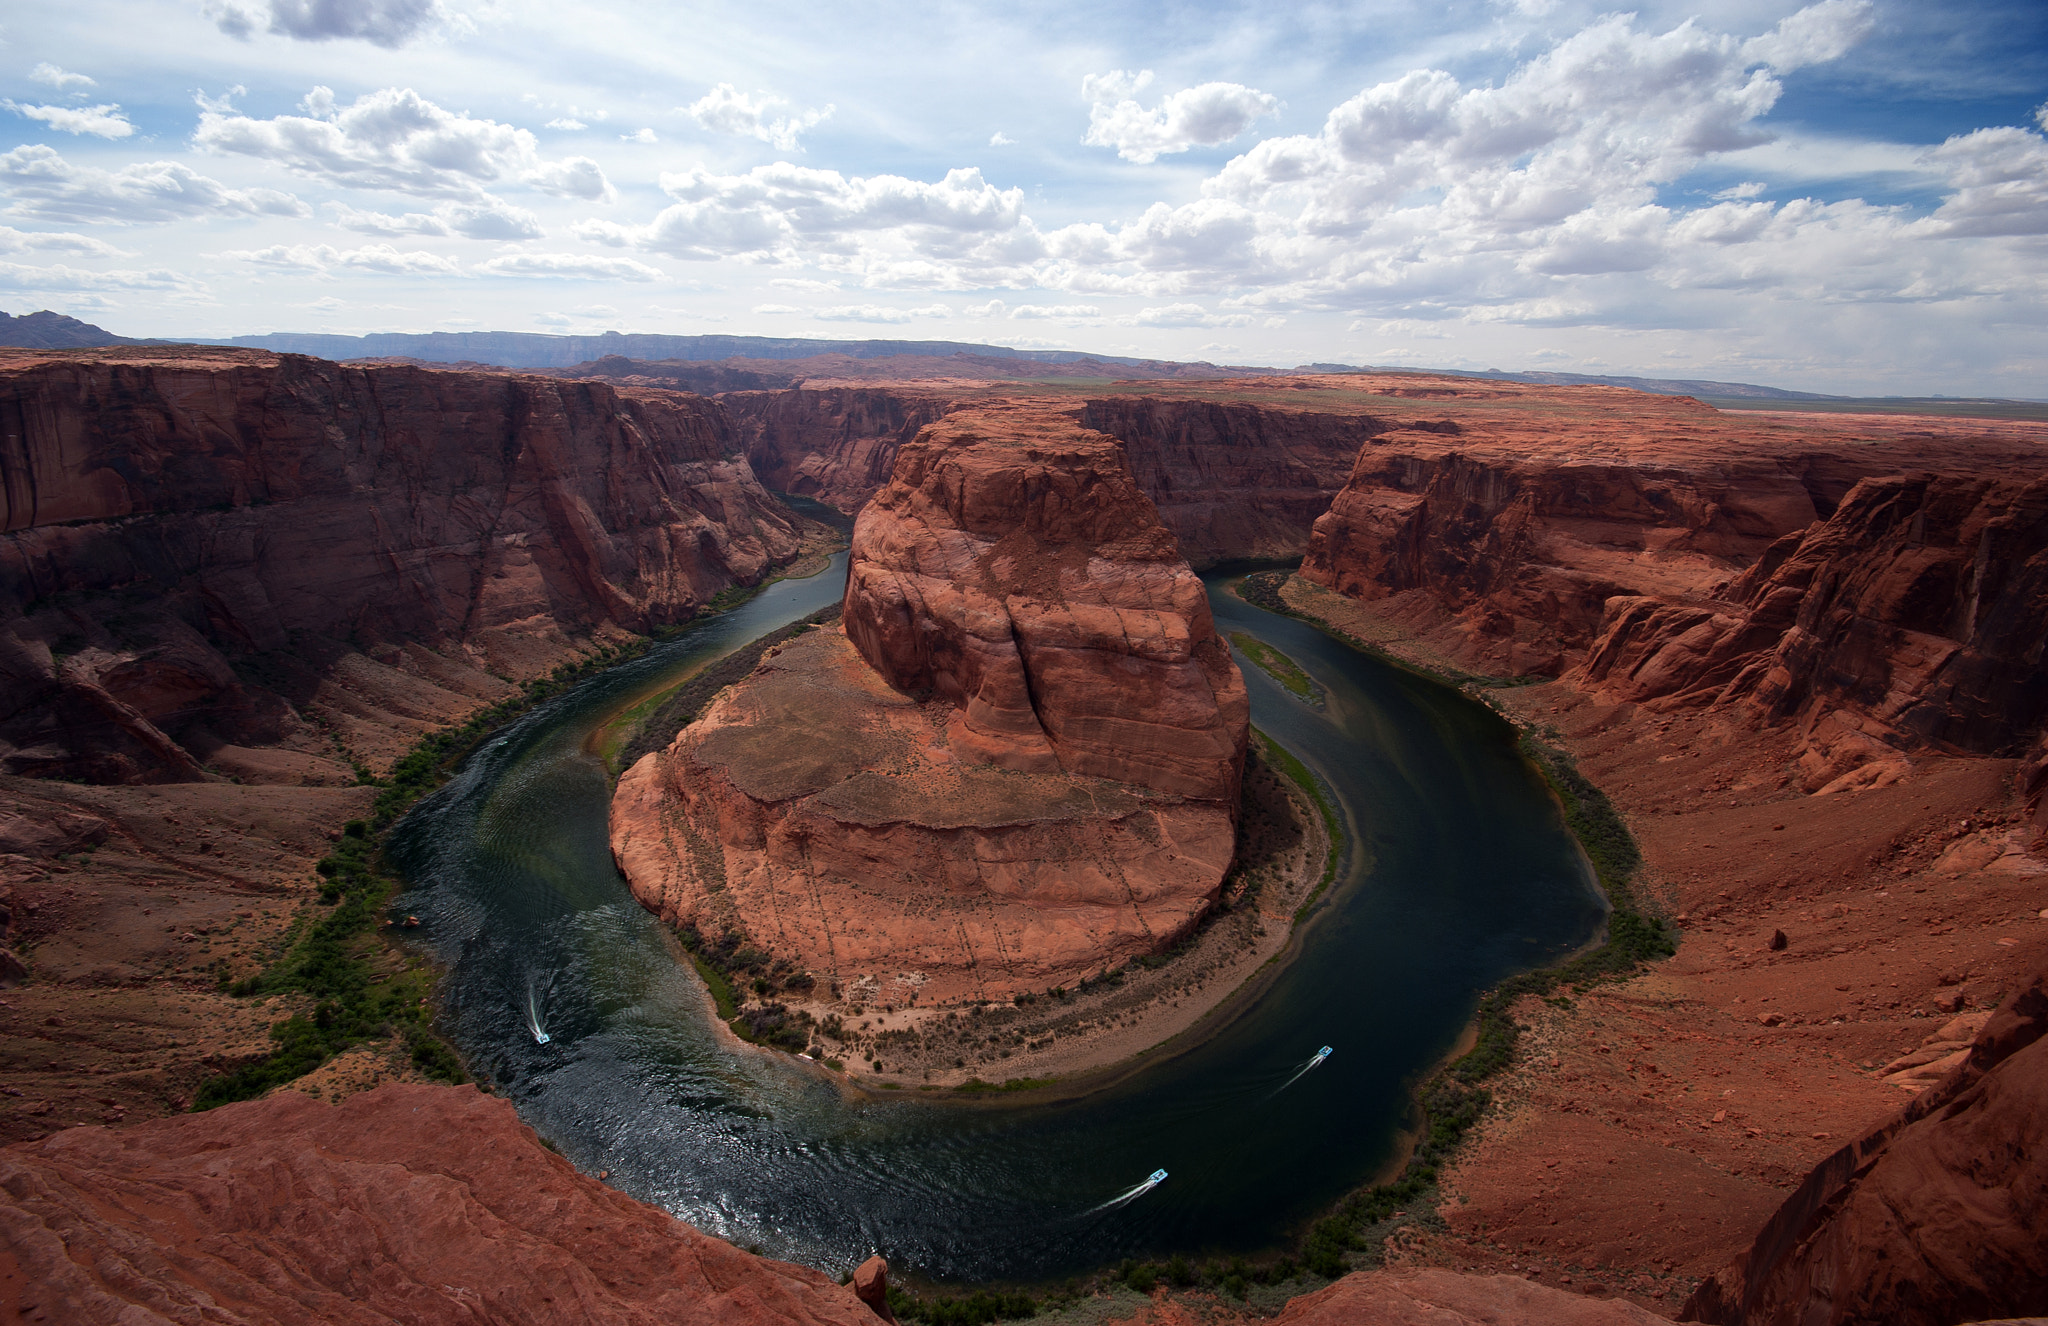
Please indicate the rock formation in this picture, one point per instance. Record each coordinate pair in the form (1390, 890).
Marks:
(1235, 480)
(1911, 617)
(1017, 765)
(1860, 574)
(1935, 1217)
(408, 1203)
(1231, 479)
(1446, 1298)
(836, 445)
(198, 544)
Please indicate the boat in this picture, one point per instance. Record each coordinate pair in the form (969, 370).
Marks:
(1158, 1176)
(1323, 1053)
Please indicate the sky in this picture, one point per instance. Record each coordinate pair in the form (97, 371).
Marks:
(1849, 196)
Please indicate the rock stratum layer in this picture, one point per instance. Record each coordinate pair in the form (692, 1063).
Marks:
(201, 545)
(1232, 479)
(408, 1203)
(1019, 762)
(1859, 575)
(1936, 1217)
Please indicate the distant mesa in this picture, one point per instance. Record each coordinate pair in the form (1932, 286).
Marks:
(54, 331)
(1017, 764)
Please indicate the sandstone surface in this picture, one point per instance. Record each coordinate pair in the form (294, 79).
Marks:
(229, 581)
(1434, 1297)
(202, 545)
(407, 1203)
(1935, 1217)
(1018, 764)
(1910, 617)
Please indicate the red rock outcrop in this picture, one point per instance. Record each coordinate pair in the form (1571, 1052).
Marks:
(836, 445)
(1013, 566)
(1912, 617)
(1806, 565)
(1934, 1218)
(1235, 480)
(1017, 765)
(407, 1203)
(197, 542)
(1446, 1298)
(1231, 479)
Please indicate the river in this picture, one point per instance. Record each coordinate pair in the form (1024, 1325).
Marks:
(1460, 872)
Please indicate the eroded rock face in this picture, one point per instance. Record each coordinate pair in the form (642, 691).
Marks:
(1935, 1217)
(1445, 1298)
(1235, 480)
(1018, 764)
(1912, 616)
(1863, 578)
(407, 1203)
(198, 541)
(1013, 567)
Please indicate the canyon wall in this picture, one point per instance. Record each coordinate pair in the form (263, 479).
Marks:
(408, 1203)
(1859, 576)
(836, 445)
(1235, 480)
(1232, 480)
(1934, 1217)
(1912, 617)
(201, 545)
(1017, 765)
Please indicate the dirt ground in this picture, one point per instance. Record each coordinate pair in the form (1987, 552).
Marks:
(1650, 1127)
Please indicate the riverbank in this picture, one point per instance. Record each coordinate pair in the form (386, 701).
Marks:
(1078, 1040)
(1646, 1128)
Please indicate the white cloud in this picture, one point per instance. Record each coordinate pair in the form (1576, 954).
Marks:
(938, 234)
(2000, 177)
(16, 276)
(1815, 35)
(1201, 116)
(50, 75)
(386, 23)
(879, 313)
(490, 219)
(1056, 311)
(776, 309)
(1186, 315)
(379, 258)
(43, 184)
(565, 122)
(640, 135)
(727, 110)
(1001, 139)
(100, 121)
(396, 140)
(56, 241)
(570, 266)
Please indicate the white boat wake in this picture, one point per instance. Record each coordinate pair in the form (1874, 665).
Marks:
(1130, 1195)
(533, 1017)
(1314, 1059)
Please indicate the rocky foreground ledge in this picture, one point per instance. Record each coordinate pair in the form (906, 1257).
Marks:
(435, 1204)
(1018, 765)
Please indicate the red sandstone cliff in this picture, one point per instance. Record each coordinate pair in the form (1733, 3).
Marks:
(1936, 1217)
(1235, 480)
(1910, 617)
(198, 544)
(1018, 765)
(836, 445)
(1231, 479)
(1808, 566)
(1013, 566)
(408, 1203)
